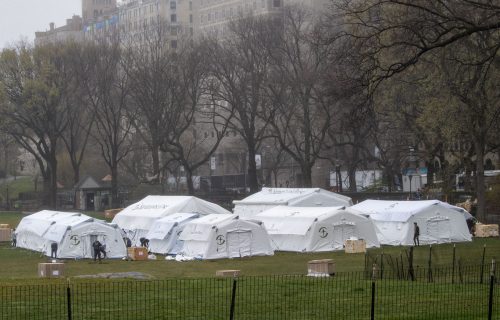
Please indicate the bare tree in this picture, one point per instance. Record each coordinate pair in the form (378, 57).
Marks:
(240, 64)
(107, 92)
(298, 90)
(194, 111)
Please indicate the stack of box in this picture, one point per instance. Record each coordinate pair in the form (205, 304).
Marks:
(227, 273)
(137, 253)
(486, 230)
(5, 234)
(321, 268)
(355, 246)
(111, 213)
(50, 270)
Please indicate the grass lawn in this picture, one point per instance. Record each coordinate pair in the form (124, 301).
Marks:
(272, 287)
(22, 264)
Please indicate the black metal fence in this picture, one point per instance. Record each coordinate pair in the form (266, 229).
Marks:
(343, 296)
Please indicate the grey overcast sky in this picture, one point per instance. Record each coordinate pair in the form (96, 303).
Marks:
(21, 18)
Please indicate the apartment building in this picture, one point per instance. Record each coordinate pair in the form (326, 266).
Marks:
(72, 30)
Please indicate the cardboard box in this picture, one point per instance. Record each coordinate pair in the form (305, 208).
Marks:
(321, 268)
(4, 226)
(111, 213)
(355, 246)
(5, 235)
(137, 253)
(50, 270)
(486, 230)
(227, 273)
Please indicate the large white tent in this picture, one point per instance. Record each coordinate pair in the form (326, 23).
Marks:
(304, 197)
(315, 229)
(439, 222)
(138, 218)
(164, 234)
(73, 232)
(218, 236)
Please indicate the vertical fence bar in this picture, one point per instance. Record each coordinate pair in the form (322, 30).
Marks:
(233, 300)
(68, 299)
(492, 285)
(411, 272)
(453, 266)
(482, 264)
(382, 265)
(372, 307)
(429, 271)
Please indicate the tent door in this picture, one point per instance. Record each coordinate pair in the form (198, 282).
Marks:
(342, 232)
(439, 229)
(239, 244)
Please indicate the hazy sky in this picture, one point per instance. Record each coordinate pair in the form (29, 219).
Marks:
(21, 18)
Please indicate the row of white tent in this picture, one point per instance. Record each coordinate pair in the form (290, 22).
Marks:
(301, 220)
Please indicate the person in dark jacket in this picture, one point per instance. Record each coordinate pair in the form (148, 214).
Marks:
(53, 250)
(97, 250)
(144, 242)
(416, 234)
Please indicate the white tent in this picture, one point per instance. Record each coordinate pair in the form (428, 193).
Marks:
(272, 197)
(439, 222)
(138, 218)
(218, 236)
(314, 229)
(73, 232)
(164, 234)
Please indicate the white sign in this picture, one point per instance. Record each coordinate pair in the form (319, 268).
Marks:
(258, 162)
(212, 163)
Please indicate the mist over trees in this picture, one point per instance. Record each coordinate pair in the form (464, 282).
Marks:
(359, 85)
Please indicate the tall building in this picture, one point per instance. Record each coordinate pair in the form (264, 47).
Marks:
(214, 15)
(71, 31)
(92, 9)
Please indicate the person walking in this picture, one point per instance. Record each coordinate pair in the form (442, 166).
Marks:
(97, 250)
(416, 234)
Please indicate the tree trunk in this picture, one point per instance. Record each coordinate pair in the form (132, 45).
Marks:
(53, 180)
(306, 176)
(155, 151)
(115, 201)
(352, 179)
(189, 180)
(480, 188)
(252, 170)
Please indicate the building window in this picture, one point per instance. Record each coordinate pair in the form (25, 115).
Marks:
(173, 18)
(173, 44)
(277, 3)
(173, 5)
(190, 5)
(191, 18)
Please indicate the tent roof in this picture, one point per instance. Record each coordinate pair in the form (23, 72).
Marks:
(401, 211)
(163, 226)
(294, 220)
(142, 214)
(286, 196)
(199, 229)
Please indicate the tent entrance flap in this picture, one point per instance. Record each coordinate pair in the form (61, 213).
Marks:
(439, 228)
(239, 244)
(341, 232)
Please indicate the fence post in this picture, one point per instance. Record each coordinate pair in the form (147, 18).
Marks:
(233, 300)
(68, 299)
(374, 277)
(482, 264)
(382, 265)
(453, 266)
(429, 271)
(492, 285)
(410, 267)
